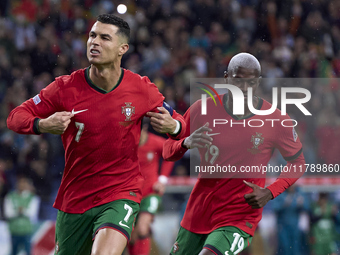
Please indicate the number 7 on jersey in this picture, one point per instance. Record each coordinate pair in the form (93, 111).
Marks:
(80, 127)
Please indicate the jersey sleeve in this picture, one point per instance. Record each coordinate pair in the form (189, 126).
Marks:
(167, 166)
(290, 148)
(183, 127)
(23, 119)
(172, 149)
(156, 99)
(287, 141)
(286, 179)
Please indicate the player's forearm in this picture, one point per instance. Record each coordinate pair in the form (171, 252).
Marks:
(173, 150)
(42, 125)
(178, 132)
(174, 127)
(286, 179)
(21, 121)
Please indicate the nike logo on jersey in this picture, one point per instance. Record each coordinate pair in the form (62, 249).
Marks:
(213, 134)
(76, 112)
(124, 225)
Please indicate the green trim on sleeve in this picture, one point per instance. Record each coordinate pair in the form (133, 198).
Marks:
(179, 130)
(36, 126)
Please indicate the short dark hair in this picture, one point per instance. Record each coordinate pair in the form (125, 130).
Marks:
(245, 60)
(123, 26)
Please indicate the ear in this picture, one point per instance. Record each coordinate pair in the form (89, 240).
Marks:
(259, 81)
(123, 48)
(226, 77)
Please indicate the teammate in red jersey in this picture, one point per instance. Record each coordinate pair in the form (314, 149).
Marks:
(149, 155)
(98, 112)
(222, 213)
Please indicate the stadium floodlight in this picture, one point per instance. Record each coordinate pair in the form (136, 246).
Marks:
(121, 9)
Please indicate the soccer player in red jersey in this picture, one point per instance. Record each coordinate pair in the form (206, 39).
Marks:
(222, 213)
(98, 112)
(149, 155)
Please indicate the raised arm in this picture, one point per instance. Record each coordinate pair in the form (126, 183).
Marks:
(167, 120)
(40, 114)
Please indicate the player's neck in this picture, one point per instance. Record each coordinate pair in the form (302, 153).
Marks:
(247, 112)
(105, 78)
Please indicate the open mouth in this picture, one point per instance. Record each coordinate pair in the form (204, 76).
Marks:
(94, 52)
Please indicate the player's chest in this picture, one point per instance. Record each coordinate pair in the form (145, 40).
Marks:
(237, 136)
(106, 109)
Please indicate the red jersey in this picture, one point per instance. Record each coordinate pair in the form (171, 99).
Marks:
(101, 142)
(219, 202)
(149, 155)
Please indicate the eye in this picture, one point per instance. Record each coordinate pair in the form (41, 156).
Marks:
(253, 82)
(237, 81)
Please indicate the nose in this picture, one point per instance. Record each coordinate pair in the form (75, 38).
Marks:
(94, 40)
(244, 86)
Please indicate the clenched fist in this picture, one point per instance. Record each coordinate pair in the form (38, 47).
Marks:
(55, 124)
(162, 122)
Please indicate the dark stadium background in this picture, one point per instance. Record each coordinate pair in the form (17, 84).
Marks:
(171, 42)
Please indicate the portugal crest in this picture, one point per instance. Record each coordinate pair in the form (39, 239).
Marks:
(257, 140)
(128, 110)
